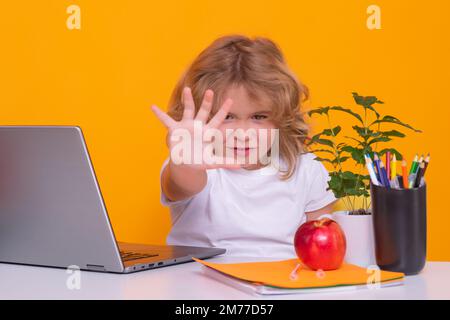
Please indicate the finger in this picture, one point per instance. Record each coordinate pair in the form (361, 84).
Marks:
(188, 103)
(221, 114)
(205, 108)
(166, 120)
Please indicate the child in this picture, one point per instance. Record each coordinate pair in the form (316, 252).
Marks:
(242, 83)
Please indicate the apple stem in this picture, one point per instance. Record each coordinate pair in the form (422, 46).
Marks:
(321, 222)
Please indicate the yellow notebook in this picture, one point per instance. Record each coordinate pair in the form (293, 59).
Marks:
(276, 274)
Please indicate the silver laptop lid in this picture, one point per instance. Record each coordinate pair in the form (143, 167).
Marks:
(51, 209)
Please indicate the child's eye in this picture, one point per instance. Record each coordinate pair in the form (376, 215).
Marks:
(259, 117)
(228, 117)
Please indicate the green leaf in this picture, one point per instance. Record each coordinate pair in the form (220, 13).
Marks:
(358, 99)
(320, 111)
(322, 150)
(323, 159)
(368, 150)
(348, 175)
(340, 160)
(357, 116)
(392, 133)
(315, 137)
(357, 153)
(358, 156)
(398, 155)
(367, 102)
(325, 142)
(374, 111)
(365, 132)
(348, 184)
(356, 140)
(332, 132)
(379, 139)
(348, 149)
(335, 183)
(391, 119)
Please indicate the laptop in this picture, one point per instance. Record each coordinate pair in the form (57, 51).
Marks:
(52, 212)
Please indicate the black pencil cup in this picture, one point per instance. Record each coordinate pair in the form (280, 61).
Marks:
(400, 228)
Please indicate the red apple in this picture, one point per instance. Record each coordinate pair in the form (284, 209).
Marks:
(320, 244)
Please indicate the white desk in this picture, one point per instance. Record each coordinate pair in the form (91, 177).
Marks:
(186, 281)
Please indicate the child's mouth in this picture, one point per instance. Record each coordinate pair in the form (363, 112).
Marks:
(241, 151)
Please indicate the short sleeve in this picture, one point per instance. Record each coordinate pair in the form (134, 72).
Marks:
(166, 201)
(318, 196)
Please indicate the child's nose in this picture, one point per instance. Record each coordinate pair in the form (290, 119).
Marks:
(243, 124)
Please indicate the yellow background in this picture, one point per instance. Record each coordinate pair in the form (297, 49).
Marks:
(129, 54)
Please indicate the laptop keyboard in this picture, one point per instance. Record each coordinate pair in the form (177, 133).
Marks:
(128, 255)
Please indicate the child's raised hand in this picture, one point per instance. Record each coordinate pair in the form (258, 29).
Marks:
(187, 123)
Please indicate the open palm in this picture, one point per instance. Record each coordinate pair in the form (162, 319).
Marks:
(187, 124)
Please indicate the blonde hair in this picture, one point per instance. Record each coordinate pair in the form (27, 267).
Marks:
(260, 67)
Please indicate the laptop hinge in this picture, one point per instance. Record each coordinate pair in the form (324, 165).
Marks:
(96, 267)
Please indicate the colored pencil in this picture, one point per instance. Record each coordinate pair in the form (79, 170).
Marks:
(427, 160)
(400, 181)
(405, 175)
(413, 176)
(393, 167)
(374, 168)
(388, 164)
(416, 169)
(384, 174)
(419, 175)
(413, 165)
(372, 175)
(377, 161)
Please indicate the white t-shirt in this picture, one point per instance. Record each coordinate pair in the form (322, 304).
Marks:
(248, 212)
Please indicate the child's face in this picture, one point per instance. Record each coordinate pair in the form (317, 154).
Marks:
(246, 114)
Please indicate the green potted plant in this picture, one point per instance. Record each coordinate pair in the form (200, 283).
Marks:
(342, 151)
